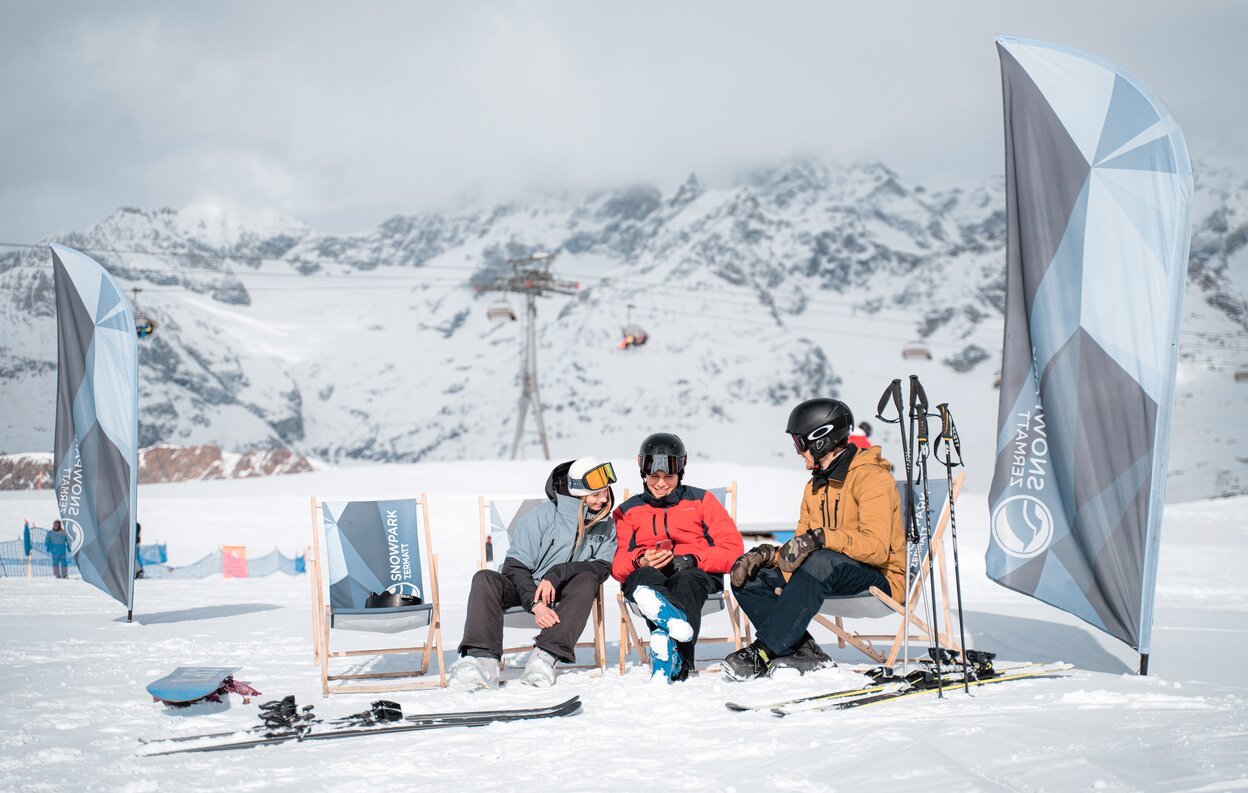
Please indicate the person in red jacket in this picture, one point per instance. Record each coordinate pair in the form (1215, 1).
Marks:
(674, 543)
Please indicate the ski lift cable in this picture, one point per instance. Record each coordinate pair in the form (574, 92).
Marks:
(735, 294)
(357, 263)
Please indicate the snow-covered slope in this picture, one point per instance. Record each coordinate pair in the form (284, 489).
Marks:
(74, 671)
(801, 280)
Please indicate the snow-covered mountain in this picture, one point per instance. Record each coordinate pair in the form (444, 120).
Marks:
(804, 279)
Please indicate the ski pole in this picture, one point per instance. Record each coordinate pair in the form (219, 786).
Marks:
(893, 393)
(949, 435)
(918, 417)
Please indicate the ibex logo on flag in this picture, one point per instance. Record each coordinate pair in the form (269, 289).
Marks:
(1023, 526)
(75, 533)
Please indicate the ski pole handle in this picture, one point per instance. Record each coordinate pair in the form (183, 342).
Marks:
(893, 390)
(917, 394)
(918, 410)
(943, 410)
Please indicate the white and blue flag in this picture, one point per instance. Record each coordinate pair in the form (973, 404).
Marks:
(97, 421)
(1098, 188)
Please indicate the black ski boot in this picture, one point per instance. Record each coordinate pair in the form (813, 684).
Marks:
(808, 656)
(748, 663)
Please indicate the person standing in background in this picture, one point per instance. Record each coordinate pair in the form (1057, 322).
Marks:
(57, 546)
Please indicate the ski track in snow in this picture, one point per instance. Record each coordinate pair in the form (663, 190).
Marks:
(73, 694)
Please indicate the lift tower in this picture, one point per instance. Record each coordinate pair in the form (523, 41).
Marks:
(530, 276)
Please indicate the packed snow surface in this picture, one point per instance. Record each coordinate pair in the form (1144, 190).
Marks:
(72, 689)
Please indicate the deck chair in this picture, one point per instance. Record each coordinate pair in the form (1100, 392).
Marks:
(374, 546)
(876, 603)
(630, 639)
(498, 519)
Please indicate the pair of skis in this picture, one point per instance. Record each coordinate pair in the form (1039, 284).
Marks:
(384, 723)
(917, 683)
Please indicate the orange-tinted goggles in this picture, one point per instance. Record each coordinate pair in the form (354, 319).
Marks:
(594, 479)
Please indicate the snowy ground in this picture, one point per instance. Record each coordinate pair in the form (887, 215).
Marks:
(72, 693)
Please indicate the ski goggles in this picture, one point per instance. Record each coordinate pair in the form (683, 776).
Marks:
(652, 464)
(594, 479)
(802, 442)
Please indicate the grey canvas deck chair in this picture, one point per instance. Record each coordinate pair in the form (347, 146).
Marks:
(366, 547)
(876, 604)
(498, 520)
(630, 639)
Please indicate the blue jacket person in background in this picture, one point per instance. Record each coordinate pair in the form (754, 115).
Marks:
(560, 554)
(57, 546)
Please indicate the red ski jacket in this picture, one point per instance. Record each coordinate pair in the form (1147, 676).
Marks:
(692, 518)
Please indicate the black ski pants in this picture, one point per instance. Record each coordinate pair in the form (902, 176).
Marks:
(492, 593)
(780, 621)
(687, 590)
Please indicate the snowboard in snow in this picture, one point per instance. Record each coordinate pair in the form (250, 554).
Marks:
(187, 685)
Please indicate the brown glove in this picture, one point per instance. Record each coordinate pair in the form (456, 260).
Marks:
(749, 563)
(795, 551)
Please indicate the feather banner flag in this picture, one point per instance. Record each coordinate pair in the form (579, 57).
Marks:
(1098, 193)
(97, 421)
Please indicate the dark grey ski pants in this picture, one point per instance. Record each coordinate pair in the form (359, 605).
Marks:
(780, 621)
(492, 593)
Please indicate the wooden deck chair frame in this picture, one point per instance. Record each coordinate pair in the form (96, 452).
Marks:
(321, 625)
(918, 586)
(630, 639)
(597, 614)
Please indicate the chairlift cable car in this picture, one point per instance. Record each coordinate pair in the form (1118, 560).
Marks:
(501, 312)
(634, 335)
(144, 325)
(916, 351)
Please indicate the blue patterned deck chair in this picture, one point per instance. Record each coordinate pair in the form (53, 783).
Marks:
(374, 547)
(875, 603)
(630, 639)
(498, 518)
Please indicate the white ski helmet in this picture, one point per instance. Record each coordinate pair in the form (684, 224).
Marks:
(586, 475)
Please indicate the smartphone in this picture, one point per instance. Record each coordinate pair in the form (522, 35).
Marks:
(663, 545)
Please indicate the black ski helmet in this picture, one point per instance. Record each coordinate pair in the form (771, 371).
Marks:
(662, 452)
(820, 425)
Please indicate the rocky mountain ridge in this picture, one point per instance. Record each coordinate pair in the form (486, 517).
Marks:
(801, 279)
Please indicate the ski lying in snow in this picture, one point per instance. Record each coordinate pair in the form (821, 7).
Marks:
(1037, 672)
(432, 721)
(284, 719)
(917, 677)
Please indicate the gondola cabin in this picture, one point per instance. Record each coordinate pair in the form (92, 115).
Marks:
(501, 312)
(144, 326)
(1241, 376)
(916, 352)
(633, 337)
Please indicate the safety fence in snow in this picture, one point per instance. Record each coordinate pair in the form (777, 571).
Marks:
(32, 557)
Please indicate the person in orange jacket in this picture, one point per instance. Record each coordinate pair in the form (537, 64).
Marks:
(674, 543)
(849, 538)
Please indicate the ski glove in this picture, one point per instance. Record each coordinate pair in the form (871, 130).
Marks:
(795, 551)
(748, 564)
(686, 561)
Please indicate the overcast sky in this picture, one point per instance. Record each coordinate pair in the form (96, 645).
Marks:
(342, 114)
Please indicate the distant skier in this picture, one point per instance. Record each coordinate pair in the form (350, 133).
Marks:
(861, 436)
(559, 556)
(849, 538)
(57, 546)
(675, 542)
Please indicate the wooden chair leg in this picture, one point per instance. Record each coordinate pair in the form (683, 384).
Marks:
(624, 648)
(858, 643)
(600, 632)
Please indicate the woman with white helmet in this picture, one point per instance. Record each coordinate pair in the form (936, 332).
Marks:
(559, 555)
